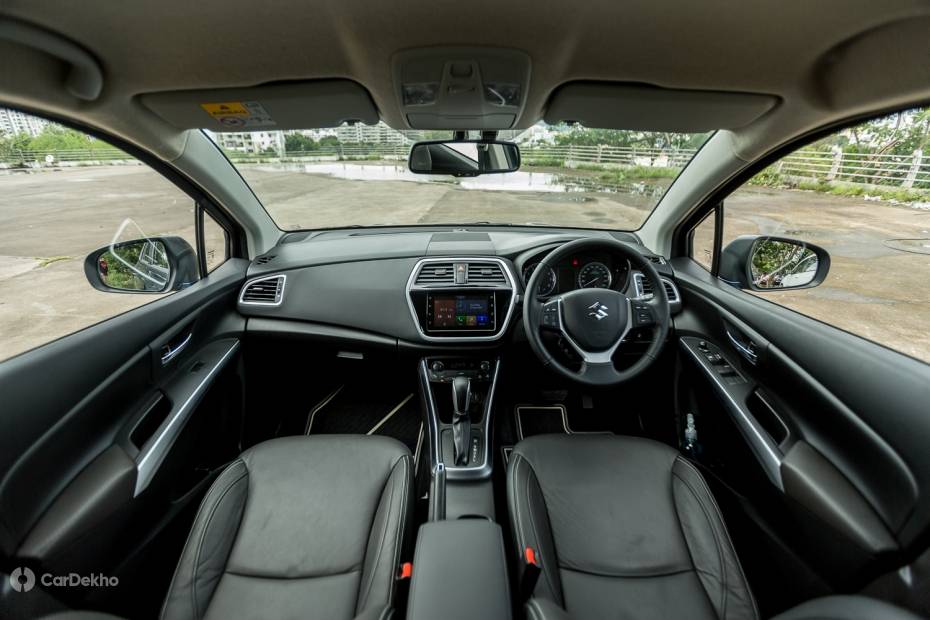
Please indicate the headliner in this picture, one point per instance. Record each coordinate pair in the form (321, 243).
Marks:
(822, 59)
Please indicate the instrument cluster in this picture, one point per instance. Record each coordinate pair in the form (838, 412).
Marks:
(599, 270)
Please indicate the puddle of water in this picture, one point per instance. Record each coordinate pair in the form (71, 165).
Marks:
(520, 181)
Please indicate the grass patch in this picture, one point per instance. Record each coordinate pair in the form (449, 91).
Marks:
(544, 162)
(770, 178)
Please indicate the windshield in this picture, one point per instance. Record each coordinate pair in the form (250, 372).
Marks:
(357, 175)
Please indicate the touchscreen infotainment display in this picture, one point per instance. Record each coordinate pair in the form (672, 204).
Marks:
(474, 312)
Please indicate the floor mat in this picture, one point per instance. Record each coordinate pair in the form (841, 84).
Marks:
(368, 410)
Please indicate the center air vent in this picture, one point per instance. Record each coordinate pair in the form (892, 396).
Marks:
(436, 273)
(485, 273)
(462, 272)
(263, 291)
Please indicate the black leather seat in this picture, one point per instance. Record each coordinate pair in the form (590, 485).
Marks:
(299, 527)
(623, 527)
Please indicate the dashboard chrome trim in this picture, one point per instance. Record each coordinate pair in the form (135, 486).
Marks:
(511, 287)
(279, 297)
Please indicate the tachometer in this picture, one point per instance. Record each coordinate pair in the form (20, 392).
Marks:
(546, 282)
(594, 275)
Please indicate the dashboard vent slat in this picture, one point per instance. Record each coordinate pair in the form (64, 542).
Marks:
(436, 273)
(265, 291)
(670, 291)
(485, 273)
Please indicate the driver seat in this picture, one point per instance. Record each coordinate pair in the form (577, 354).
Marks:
(621, 527)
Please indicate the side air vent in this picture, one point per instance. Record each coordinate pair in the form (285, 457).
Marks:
(485, 273)
(263, 291)
(670, 291)
(263, 260)
(436, 273)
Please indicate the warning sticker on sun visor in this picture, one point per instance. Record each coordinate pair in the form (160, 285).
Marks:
(239, 114)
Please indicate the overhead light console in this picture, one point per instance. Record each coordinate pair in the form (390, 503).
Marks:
(461, 88)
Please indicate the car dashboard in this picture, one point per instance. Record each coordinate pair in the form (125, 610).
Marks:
(424, 288)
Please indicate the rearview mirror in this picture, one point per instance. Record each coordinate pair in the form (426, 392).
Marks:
(773, 263)
(464, 158)
(153, 265)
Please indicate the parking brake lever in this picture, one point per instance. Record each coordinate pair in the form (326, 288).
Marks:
(461, 421)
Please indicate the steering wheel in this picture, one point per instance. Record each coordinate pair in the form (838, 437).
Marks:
(593, 321)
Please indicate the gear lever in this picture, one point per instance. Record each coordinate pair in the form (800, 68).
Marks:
(461, 421)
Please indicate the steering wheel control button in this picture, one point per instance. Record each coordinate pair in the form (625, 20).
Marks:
(642, 314)
(550, 315)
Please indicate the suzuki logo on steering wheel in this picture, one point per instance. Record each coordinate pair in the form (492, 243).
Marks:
(598, 310)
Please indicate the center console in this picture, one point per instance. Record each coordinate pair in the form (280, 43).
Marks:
(461, 299)
(459, 572)
(459, 394)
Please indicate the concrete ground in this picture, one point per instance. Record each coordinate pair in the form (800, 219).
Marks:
(50, 220)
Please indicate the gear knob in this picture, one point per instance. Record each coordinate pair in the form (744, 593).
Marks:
(461, 422)
(461, 395)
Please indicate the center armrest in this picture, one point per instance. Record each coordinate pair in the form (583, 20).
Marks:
(459, 572)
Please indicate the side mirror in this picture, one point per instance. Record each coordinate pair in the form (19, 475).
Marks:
(464, 158)
(153, 265)
(761, 263)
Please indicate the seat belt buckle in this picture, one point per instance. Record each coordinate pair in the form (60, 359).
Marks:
(531, 571)
(405, 571)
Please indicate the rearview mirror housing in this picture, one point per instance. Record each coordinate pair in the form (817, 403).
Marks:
(150, 265)
(764, 263)
(464, 158)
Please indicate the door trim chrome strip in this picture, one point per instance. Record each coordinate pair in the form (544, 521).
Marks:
(156, 449)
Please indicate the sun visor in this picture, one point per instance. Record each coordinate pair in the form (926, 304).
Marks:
(295, 105)
(649, 108)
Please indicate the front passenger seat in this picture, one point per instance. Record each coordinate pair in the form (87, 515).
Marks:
(299, 527)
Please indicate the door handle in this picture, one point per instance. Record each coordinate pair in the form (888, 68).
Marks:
(746, 349)
(172, 350)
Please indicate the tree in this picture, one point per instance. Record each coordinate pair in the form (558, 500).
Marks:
(299, 143)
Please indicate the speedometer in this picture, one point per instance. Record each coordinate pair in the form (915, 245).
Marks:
(594, 275)
(546, 282)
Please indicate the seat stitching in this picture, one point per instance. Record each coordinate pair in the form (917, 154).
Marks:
(514, 499)
(720, 554)
(371, 577)
(402, 523)
(290, 578)
(187, 543)
(533, 525)
(533, 605)
(644, 575)
(203, 534)
(726, 534)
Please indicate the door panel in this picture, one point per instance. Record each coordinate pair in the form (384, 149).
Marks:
(838, 423)
(92, 424)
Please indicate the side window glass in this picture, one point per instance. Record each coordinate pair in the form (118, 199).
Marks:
(702, 241)
(863, 196)
(215, 242)
(63, 196)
